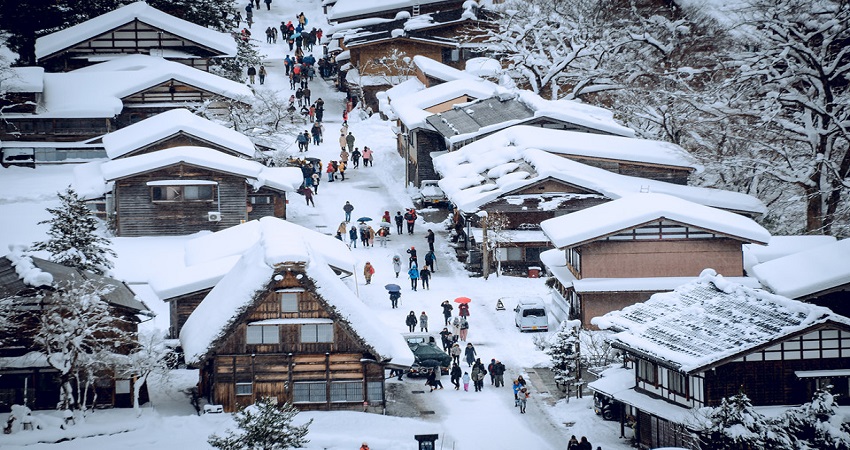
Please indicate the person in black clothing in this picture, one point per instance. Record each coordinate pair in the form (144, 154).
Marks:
(584, 444)
(447, 310)
(455, 374)
(446, 338)
(412, 252)
(394, 296)
(411, 321)
(430, 238)
(399, 221)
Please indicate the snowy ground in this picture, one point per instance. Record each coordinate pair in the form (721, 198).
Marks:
(464, 420)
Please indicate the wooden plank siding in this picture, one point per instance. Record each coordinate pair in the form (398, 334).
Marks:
(180, 308)
(134, 37)
(274, 369)
(138, 215)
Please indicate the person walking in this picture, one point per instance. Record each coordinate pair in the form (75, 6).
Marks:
(342, 228)
(455, 374)
(423, 322)
(352, 236)
(425, 276)
(368, 271)
(367, 157)
(413, 273)
(410, 321)
(364, 235)
(447, 310)
(252, 72)
(456, 326)
(431, 260)
(469, 354)
(396, 265)
(308, 195)
(316, 179)
(343, 155)
(394, 296)
(330, 171)
(490, 368)
(446, 339)
(303, 141)
(523, 401)
(466, 382)
(410, 219)
(316, 131)
(477, 376)
(430, 238)
(436, 383)
(355, 157)
(342, 143)
(463, 310)
(412, 260)
(382, 236)
(464, 328)
(516, 387)
(307, 93)
(399, 221)
(583, 444)
(349, 140)
(344, 117)
(341, 167)
(262, 74)
(348, 208)
(573, 443)
(499, 373)
(455, 353)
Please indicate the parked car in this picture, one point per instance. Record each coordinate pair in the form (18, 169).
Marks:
(529, 313)
(431, 194)
(427, 354)
(606, 407)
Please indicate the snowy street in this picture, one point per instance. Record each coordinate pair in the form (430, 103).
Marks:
(464, 420)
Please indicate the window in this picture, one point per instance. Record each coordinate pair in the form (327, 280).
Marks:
(262, 334)
(288, 302)
(677, 382)
(347, 391)
(322, 332)
(375, 391)
(260, 199)
(201, 193)
(310, 392)
(509, 254)
(244, 388)
(647, 371)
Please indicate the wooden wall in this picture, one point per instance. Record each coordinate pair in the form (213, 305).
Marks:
(180, 308)
(138, 215)
(180, 139)
(595, 304)
(657, 258)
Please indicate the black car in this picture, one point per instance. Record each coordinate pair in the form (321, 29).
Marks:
(426, 354)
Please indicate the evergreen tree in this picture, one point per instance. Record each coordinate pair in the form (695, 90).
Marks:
(735, 425)
(266, 426)
(815, 425)
(564, 352)
(247, 55)
(73, 235)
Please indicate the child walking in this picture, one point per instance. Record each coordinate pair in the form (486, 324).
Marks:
(466, 381)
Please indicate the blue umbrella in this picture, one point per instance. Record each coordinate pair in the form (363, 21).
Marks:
(393, 288)
(364, 219)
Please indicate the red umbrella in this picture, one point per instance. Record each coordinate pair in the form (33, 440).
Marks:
(462, 300)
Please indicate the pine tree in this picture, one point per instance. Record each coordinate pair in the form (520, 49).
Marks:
(735, 425)
(264, 425)
(73, 235)
(564, 352)
(814, 424)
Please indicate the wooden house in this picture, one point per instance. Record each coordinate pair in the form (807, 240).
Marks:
(137, 28)
(818, 275)
(348, 10)
(183, 190)
(26, 377)
(282, 324)
(623, 251)
(78, 106)
(184, 289)
(709, 340)
(518, 173)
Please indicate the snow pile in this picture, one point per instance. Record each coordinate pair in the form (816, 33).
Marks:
(91, 184)
(780, 246)
(634, 210)
(435, 69)
(344, 9)
(169, 123)
(574, 112)
(26, 269)
(24, 79)
(808, 272)
(709, 320)
(483, 67)
(141, 11)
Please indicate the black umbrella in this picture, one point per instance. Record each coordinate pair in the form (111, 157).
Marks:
(393, 288)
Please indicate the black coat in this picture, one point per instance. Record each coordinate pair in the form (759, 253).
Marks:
(411, 320)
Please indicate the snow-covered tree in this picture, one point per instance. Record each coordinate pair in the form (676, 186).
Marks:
(74, 240)
(265, 425)
(564, 351)
(150, 357)
(79, 336)
(247, 55)
(497, 235)
(735, 425)
(816, 425)
(596, 350)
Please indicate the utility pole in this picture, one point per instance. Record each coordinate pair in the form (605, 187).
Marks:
(485, 247)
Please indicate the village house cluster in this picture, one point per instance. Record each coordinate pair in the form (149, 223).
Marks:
(700, 299)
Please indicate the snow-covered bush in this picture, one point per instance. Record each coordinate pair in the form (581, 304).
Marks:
(264, 425)
(564, 351)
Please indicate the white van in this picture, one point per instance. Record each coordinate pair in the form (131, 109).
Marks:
(530, 314)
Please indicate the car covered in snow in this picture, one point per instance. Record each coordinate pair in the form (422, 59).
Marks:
(431, 194)
(427, 354)
(529, 313)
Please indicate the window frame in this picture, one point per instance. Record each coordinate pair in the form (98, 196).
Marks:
(677, 382)
(264, 331)
(180, 196)
(238, 385)
(642, 369)
(314, 329)
(318, 388)
(352, 391)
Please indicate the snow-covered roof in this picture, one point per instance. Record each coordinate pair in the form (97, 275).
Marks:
(353, 8)
(483, 66)
(60, 40)
(708, 321)
(23, 79)
(96, 91)
(476, 176)
(205, 275)
(780, 246)
(161, 126)
(410, 107)
(509, 237)
(435, 69)
(619, 383)
(808, 272)
(91, 179)
(634, 210)
(238, 291)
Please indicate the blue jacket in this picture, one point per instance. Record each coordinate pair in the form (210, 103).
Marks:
(413, 272)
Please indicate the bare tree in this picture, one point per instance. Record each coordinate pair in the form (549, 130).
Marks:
(151, 357)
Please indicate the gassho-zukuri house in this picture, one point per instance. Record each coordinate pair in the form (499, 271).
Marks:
(712, 339)
(282, 324)
(619, 253)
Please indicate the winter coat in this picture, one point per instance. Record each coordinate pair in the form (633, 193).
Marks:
(447, 309)
(396, 264)
(463, 310)
(252, 71)
(411, 320)
(498, 369)
(464, 324)
(395, 295)
(343, 155)
(352, 234)
(477, 372)
(455, 350)
(368, 271)
(302, 138)
(348, 207)
(425, 274)
(430, 237)
(430, 257)
(455, 373)
(466, 378)
(330, 168)
(423, 320)
(584, 444)
(355, 155)
(412, 252)
(349, 139)
(413, 273)
(399, 219)
(469, 354)
(341, 140)
(367, 154)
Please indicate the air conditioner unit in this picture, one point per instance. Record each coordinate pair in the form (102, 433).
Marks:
(214, 216)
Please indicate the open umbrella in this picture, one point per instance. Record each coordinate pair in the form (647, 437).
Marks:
(462, 300)
(364, 219)
(393, 288)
